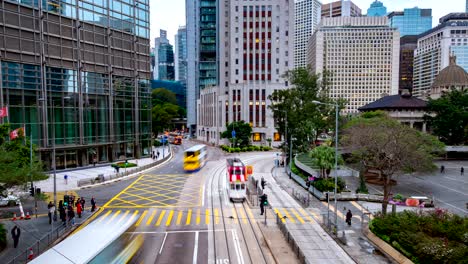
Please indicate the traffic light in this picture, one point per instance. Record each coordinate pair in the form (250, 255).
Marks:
(66, 200)
(31, 191)
(264, 199)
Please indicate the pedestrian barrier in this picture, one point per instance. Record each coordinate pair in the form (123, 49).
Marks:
(31, 254)
(14, 217)
(28, 217)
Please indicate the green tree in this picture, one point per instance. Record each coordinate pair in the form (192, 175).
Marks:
(243, 133)
(163, 115)
(448, 117)
(305, 119)
(162, 96)
(323, 157)
(16, 167)
(384, 144)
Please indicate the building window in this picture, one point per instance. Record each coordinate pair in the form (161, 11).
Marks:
(277, 136)
(257, 137)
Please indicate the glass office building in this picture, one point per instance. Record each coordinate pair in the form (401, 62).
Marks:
(376, 9)
(412, 21)
(75, 74)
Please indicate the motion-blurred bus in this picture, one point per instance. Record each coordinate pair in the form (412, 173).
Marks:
(195, 158)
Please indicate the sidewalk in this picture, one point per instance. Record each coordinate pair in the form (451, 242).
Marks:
(91, 172)
(357, 246)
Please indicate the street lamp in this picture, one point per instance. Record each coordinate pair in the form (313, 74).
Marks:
(336, 153)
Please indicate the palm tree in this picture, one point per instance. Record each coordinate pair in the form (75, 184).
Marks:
(323, 157)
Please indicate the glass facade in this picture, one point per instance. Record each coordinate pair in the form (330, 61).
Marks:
(376, 9)
(207, 66)
(166, 62)
(412, 21)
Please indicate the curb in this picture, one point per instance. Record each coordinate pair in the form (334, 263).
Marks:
(268, 242)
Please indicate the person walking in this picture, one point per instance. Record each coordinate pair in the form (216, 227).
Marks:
(71, 215)
(349, 215)
(82, 202)
(78, 209)
(462, 171)
(50, 212)
(93, 204)
(15, 233)
(157, 154)
(442, 169)
(62, 213)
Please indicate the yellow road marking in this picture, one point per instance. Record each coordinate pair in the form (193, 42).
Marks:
(104, 216)
(198, 216)
(234, 215)
(280, 215)
(189, 215)
(161, 216)
(128, 187)
(150, 219)
(169, 218)
(141, 218)
(304, 213)
(207, 216)
(297, 215)
(216, 213)
(133, 215)
(288, 215)
(121, 218)
(179, 217)
(114, 216)
(243, 216)
(251, 216)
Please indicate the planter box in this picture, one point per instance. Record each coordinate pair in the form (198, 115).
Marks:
(387, 249)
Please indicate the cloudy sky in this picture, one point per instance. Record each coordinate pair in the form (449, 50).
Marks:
(170, 14)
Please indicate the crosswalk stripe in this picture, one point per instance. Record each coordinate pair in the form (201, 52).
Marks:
(216, 213)
(234, 215)
(297, 215)
(104, 216)
(198, 216)
(114, 216)
(288, 215)
(207, 216)
(243, 216)
(189, 216)
(179, 218)
(161, 216)
(134, 215)
(123, 216)
(249, 212)
(141, 218)
(280, 215)
(304, 213)
(150, 219)
(169, 218)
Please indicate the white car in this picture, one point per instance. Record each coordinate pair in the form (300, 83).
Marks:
(9, 200)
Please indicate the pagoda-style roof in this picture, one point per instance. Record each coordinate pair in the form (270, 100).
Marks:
(395, 102)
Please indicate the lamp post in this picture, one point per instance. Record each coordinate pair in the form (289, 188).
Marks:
(336, 154)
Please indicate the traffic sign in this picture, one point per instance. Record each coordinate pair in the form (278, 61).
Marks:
(233, 133)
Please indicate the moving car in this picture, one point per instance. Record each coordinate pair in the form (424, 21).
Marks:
(9, 200)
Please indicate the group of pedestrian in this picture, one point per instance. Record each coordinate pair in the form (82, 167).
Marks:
(155, 155)
(462, 170)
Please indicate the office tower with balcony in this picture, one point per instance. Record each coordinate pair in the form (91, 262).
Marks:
(76, 76)
(306, 19)
(361, 55)
(411, 21)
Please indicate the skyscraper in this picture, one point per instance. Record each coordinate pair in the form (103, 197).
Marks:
(78, 81)
(361, 54)
(407, 46)
(255, 49)
(164, 58)
(340, 8)
(181, 55)
(306, 19)
(412, 21)
(435, 47)
(376, 9)
(202, 66)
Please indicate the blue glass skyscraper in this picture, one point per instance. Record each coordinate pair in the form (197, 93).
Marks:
(412, 21)
(376, 9)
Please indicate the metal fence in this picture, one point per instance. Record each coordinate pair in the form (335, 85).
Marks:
(41, 245)
(100, 178)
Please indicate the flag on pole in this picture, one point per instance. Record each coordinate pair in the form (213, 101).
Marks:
(15, 133)
(4, 111)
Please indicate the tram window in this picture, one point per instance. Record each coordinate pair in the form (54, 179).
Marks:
(238, 187)
(243, 186)
(232, 186)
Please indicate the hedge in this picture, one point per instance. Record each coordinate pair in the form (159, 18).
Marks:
(3, 237)
(122, 165)
(244, 149)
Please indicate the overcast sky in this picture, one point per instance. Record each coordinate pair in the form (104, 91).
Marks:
(170, 14)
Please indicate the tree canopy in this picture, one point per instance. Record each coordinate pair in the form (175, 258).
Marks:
(323, 157)
(164, 109)
(448, 117)
(305, 119)
(243, 133)
(15, 163)
(382, 143)
(161, 96)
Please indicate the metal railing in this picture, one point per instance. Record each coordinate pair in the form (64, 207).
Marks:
(41, 245)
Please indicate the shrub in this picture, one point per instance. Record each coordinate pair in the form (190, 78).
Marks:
(122, 165)
(3, 237)
(328, 185)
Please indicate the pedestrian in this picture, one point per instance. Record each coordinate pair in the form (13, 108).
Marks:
(117, 168)
(15, 233)
(94, 161)
(82, 202)
(442, 169)
(93, 204)
(62, 212)
(65, 177)
(78, 209)
(157, 154)
(50, 212)
(349, 215)
(154, 155)
(462, 171)
(71, 215)
(263, 182)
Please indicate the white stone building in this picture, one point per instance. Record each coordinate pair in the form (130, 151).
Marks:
(306, 19)
(362, 56)
(256, 47)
